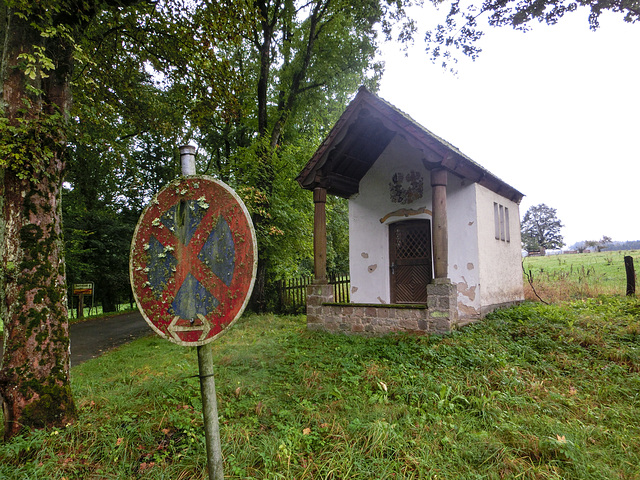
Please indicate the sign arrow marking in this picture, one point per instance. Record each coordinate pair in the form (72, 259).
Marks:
(174, 328)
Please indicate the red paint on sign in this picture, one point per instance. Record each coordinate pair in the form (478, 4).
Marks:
(193, 260)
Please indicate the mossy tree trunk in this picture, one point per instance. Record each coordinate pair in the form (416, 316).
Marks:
(34, 378)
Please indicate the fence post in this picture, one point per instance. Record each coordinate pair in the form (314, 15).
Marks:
(631, 275)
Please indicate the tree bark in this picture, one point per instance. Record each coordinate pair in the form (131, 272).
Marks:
(34, 378)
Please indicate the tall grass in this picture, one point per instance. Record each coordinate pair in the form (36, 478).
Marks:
(576, 276)
(533, 392)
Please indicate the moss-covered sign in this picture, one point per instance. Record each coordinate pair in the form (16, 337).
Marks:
(193, 260)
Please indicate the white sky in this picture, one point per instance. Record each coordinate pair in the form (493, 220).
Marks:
(554, 112)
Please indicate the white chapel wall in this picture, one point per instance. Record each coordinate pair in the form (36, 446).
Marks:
(409, 197)
(462, 224)
(501, 251)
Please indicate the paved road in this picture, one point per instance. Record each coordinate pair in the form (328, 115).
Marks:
(92, 338)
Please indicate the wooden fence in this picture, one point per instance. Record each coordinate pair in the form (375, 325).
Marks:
(293, 292)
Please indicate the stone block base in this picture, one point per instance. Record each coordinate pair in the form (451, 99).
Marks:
(442, 300)
(440, 315)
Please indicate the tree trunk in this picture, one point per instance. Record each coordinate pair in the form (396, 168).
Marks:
(264, 49)
(271, 138)
(34, 378)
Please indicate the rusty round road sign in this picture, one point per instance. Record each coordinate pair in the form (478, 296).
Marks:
(193, 260)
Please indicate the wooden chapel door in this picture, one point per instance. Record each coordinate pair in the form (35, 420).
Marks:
(410, 260)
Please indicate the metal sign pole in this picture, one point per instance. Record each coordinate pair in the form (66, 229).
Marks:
(205, 367)
(210, 412)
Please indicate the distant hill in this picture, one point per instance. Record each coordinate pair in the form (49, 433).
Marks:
(628, 245)
(612, 247)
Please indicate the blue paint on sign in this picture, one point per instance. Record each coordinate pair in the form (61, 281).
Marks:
(183, 219)
(219, 252)
(193, 299)
(161, 266)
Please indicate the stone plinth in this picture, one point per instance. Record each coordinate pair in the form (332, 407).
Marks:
(317, 294)
(442, 302)
(440, 315)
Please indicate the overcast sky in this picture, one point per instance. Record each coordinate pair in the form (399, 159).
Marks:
(554, 112)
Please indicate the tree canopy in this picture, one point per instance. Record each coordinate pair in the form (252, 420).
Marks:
(464, 23)
(541, 229)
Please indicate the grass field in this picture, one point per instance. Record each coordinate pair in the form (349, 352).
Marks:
(576, 276)
(532, 392)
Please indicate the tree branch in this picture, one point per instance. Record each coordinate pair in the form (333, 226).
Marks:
(529, 276)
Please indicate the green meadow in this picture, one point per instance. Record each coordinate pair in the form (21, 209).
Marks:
(532, 392)
(575, 276)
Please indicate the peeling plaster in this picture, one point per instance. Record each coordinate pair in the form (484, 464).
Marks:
(470, 266)
(354, 289)
(466, 311)
(381, 301)
(364, 255)
(372, 268)
(466, 290)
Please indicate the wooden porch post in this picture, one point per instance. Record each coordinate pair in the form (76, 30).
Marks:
(320, 235)
(440, 233)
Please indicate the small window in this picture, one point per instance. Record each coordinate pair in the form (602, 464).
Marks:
(506, 225)
(501, 222)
